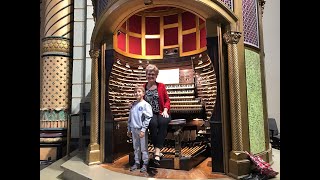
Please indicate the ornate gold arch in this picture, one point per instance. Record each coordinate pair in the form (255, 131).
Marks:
(116, 14)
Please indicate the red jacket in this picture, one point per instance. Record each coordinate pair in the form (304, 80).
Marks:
(164, 101)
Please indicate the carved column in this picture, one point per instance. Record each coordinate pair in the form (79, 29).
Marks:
(238, 164)
(93, 154)
(55, 87)
(232, 38)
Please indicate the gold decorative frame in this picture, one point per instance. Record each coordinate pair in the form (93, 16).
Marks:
(160, 36)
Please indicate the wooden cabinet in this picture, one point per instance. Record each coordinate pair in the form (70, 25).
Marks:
(122, 147)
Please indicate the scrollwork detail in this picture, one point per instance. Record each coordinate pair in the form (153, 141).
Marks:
(94, 54)
(232, 37)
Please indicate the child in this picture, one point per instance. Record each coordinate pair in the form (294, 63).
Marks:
(138, 121)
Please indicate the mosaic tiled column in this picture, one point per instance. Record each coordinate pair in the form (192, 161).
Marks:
(93, 154)
(56, 65)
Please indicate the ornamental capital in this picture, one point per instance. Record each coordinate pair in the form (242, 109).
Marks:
(232, 37)
(94, 54)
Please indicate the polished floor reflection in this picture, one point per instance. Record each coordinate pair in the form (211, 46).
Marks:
(202, 171)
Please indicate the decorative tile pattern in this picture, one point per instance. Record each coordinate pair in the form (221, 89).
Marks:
(255, 103)
(229, 3)
(250, 22)
(55, 90)
(53, 119)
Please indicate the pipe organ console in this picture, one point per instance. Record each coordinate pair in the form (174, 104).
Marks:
(192, 99)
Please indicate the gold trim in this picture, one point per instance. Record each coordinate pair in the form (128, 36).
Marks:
(223, 101)
(193, 52)
(102, 100)
(154, 36)
(156, 57)
(168, 26)
(263, 75)
(135, 34)
(180, 33)
(56, 44)
(189, 31)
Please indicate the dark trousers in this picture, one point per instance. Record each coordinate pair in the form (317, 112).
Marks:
(158, 127)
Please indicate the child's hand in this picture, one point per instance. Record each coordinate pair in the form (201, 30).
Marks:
(129, 134)
(130, 105)
(141, 135)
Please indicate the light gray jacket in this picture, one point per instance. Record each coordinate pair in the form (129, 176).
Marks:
(140, 115)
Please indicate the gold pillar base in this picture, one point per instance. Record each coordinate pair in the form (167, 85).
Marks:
(239, 164)
(93, 154)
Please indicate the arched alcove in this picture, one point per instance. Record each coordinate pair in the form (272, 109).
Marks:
(114, 22)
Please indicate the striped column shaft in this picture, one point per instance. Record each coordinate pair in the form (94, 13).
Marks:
(56, 64)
